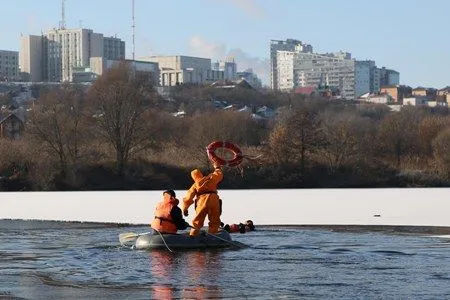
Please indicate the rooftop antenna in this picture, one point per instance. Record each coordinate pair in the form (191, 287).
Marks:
(133, 26)
(62, 23)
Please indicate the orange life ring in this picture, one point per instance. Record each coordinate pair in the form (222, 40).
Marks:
(237, 153)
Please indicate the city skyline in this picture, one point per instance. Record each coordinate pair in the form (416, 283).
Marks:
(406, 36)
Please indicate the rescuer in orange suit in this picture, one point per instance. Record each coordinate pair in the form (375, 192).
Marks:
(168, 217)
(204, 190)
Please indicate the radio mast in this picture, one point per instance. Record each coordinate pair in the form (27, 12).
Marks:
(62, 23)
(133, 26)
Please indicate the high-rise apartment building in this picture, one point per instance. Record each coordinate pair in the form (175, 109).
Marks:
(334, 70)
(294, 65)
(284, 73)
(287, 45)
(9, 65)
(367, 77)
(55, 55)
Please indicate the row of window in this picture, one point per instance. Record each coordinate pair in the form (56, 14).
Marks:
(6, 57)
(9, 63)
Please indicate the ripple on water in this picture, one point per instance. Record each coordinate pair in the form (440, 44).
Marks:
(341, 250)
(392, 253)
(17, 256)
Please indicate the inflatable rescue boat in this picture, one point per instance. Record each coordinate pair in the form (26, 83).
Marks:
(156, 240)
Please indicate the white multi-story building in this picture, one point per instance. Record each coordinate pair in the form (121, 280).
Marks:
(178, 69)
(55, 55)
(294, 65)
(287, 45)
(9, 65)
(70, 48)
(285, 70)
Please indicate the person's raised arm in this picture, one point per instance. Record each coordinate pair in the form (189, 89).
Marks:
(217, 174)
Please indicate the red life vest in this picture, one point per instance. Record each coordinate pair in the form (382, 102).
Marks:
(163, 220)
(234, 228)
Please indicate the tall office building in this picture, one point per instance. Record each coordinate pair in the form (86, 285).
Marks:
(287, 45)
(54, 55)
(31, 57)
(367, 78)
(69, 48)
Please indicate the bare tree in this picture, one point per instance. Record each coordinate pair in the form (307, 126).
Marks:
(304, 129)
(119, 101)
(398, 134)
(441, 149)
(429, 128)
(55, 123)
(293, 140)
(342, 139)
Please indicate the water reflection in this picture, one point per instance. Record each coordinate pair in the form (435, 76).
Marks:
(161, 266)
(186, 275)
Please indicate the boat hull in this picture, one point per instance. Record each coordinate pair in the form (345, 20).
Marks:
(183, 241)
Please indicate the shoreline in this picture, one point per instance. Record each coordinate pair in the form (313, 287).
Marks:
(394, 229)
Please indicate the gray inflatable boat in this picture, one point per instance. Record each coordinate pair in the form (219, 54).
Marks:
(156, 240)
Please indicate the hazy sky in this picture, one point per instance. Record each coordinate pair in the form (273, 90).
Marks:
(409, 36)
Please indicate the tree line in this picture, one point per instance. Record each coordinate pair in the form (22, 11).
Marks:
(120, 134)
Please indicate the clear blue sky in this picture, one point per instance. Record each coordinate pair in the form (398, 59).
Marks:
(410, 36)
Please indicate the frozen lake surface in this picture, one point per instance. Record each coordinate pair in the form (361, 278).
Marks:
(413, 207)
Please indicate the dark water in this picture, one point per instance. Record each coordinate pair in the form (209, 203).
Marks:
(40, 260)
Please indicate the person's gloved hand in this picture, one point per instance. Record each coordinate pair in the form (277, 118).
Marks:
(185, 213)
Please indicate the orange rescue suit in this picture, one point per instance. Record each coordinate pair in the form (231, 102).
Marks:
(163, 221)
(207, 200)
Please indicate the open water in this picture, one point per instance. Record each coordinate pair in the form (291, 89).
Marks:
(46, 260)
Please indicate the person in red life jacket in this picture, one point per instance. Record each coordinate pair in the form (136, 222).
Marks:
(204, 190)
(241, 227)
(168, 216)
